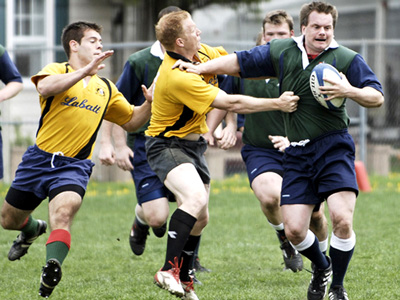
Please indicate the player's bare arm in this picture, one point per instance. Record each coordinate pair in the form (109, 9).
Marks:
(141, 114)
(287, 102)
(227, 64)
(10, 90)
(106, 152)
(123, 152)
(227, 138)
(54, 84)
(367, 96)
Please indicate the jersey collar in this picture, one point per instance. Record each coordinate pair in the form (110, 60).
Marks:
(156, 50)
(299, 40)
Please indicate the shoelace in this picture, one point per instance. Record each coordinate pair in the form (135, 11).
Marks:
(188, 286)
(176, 267)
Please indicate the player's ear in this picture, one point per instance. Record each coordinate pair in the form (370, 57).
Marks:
(180, 42)
(73, 45)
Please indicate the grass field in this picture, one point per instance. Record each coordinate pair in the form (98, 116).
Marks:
(238, 245)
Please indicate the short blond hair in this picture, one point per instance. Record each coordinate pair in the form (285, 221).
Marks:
(169, 28)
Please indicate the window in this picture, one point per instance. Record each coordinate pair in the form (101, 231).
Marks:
(30, 34)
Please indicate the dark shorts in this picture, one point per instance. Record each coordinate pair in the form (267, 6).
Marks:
(148, 185)
(322, 167)
(165, 154)
(260, 160)
(36, 179)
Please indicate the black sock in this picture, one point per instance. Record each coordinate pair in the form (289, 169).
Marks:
(281, 235)
(314, 254)
(340, 262)
(180, 226)
(188, 256)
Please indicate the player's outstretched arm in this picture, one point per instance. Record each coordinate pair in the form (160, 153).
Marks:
(287, 102)
(54, 84)
(141, 114)
(227, 64)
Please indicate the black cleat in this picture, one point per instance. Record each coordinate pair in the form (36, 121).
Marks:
(337, 293)
(319, 281)
(51, 276)
(138, 237)
(198, 267)
(292, 259)
(160, 231)
(21, 245)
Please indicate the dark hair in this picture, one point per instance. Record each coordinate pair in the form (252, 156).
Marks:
(278, 17)
(320, 7)
(167, 10)
(75, 32)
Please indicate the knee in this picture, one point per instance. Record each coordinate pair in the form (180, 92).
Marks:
(295, 234)
(318, 220)
(156, 221)
(342, 226)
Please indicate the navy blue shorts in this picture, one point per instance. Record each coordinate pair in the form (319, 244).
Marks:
(260, 160)
(322, 167)
(165, 154)
(148, 185)
(36, 178)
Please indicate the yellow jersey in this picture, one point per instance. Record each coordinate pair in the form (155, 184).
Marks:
(70, 120)
(181, 100)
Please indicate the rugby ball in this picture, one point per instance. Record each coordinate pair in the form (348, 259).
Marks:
(327, 71)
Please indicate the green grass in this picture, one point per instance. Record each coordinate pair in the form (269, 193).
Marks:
(238, 245)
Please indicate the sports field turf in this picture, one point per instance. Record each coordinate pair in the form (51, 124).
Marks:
(238, 245)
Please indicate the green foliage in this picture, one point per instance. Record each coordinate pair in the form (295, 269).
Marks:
(238, 246)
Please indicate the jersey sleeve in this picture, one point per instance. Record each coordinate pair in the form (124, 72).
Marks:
(119, 110)
(256, 62)
(360, 74)
(9, 72)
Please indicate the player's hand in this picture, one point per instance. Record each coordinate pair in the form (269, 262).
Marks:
(280, 142)
(148, 92)
(123, 158)
(97, 63)
(227, 138)
(186, 66)
(209, 138)
(288, 102)
(107, 154)
(338, 89)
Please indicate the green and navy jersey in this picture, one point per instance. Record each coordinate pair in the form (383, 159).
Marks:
(257, 126)
(286, 59)
(140, 68)
(8, 71)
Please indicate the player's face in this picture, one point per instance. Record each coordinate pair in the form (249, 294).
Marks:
(318, 33)
(278, 31)
(91, 45)
(191, 36)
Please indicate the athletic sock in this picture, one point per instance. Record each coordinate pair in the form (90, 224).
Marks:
(58, 245)
(30, 227)
(140, 223)
(195, 255)
(310, 249)
(341, 251)
(188, 256)
(180, 226)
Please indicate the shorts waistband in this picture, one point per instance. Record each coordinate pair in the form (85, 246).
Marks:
(320, 137)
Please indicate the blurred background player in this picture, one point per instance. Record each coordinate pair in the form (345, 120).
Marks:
(12, 79)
